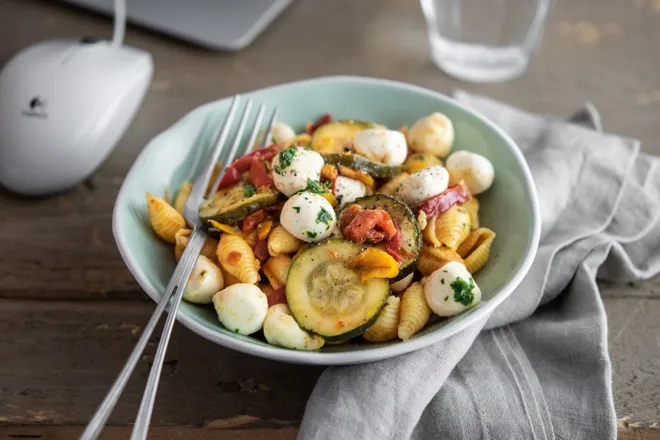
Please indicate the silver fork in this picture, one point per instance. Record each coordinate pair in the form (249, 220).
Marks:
(177, 283)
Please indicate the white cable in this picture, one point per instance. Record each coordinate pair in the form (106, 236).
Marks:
(120, 23)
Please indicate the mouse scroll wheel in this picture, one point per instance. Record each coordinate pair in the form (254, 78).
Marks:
(90, 40)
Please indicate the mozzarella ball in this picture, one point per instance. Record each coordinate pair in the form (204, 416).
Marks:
(402, 284)
(423, 185)
(382, 145)
(432, 134)
(282, 132)
(205, 281)
(293, 166)
(477, 171)
(308, 216)
(451, 289)
(280, 328)
(348, 190)
(241, 308)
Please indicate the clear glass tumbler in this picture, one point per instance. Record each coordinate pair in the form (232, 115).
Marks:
(484, 40)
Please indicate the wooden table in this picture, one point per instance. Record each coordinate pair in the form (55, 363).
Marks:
(71, 311)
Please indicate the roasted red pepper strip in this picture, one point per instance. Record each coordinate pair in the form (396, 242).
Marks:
(250, 222)
(277, 296)
(261, 250)
(258, 175)
(277, 207)
(325, 119)
(231, 177)
(393, 245)
(243, 164)
(442, 202)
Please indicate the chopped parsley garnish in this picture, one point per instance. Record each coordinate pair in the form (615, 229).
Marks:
(463, 291)
(248, 190)
(235, 330)
(442, 281)
(286, 158)
(323, 217)
(297, 208)
(327, 183)
(446, 298)
(311, 234)
(314, 187)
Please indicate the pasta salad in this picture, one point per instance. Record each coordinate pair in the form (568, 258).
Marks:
(346, 231)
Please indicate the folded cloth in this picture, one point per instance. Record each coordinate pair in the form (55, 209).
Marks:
(538, 367)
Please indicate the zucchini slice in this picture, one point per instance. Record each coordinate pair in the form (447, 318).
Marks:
(232, 204)
(327, 298)
(356, 162)
(337, 137)
(411, 234)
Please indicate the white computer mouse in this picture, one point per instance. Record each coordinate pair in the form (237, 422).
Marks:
(64, 105)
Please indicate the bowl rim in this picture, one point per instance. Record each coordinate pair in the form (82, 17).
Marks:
(348, 357)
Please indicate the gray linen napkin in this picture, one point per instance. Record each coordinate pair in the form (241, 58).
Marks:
(538, 367)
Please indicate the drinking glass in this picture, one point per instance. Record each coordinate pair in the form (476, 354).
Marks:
(484, 40)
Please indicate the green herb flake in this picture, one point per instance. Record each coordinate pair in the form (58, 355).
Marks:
(327, 183)
(248, 190)
(463, 291)
(323, 216)
(286, 158)
(297, 208)
(314, 187)
(235, 330)
(446, 298)
(311, 234)
(442, 281)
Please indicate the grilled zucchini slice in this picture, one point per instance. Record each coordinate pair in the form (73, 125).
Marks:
(410, 232)
(356, 162)
(232, 204)
(337, 137)
(327, 298)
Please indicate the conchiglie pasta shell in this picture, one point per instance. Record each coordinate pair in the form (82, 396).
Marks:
(390, 187)
(236, 257)
(476, 249)
(432, 258)
(280, 241)
(472, 207)
(276, 270)
(415, 312)
(165, 220)
(449, 228)
(182, 197)
(385, 327)
(182, 237)
(302, 249)
(231, 279)
(250, 237)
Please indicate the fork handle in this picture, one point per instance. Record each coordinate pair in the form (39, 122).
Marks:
(185, 266)
(141, 427)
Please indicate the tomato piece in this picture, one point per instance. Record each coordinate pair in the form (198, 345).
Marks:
(325, 119)
(277, 296)
(442, 202)
(367, 225)
(393, 245)
(258, 174)
(250, 222)
(261, 250)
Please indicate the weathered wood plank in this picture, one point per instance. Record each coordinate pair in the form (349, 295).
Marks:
(155, 433)
(191, 432)
(59, 358)
(378, 38)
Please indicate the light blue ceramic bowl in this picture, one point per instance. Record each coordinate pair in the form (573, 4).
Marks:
(510, 207)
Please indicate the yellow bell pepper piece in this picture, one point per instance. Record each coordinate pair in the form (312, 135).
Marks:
(374, 263)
